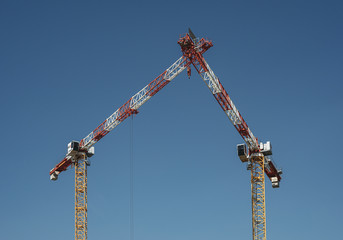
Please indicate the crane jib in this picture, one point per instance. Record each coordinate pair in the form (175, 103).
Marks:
(193, 52)
(129, 108)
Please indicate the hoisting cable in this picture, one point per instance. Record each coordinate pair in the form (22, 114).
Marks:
(131, 182)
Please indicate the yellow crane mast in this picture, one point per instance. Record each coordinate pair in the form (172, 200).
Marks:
(258, 197)
(81, 197)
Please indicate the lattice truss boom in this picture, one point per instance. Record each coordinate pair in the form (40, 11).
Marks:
(133, 103)
(129, 108)
(227, 105)
(193, 50)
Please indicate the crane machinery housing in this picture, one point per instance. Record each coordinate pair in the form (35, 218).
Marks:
(255, 154)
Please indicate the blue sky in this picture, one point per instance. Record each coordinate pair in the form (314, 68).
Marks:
(67, 65)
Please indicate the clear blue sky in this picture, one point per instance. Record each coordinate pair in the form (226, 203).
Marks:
(67, 65)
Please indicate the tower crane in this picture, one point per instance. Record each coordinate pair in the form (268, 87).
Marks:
(257, 155)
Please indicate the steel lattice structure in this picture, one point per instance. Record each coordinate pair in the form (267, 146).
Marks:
(81, 198)
(192, 54)
(258, 197)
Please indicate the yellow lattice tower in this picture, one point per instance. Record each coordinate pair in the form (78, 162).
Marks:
(81, 198)
(258, 197)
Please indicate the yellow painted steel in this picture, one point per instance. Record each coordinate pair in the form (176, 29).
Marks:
(258, 197)
(81, 198)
